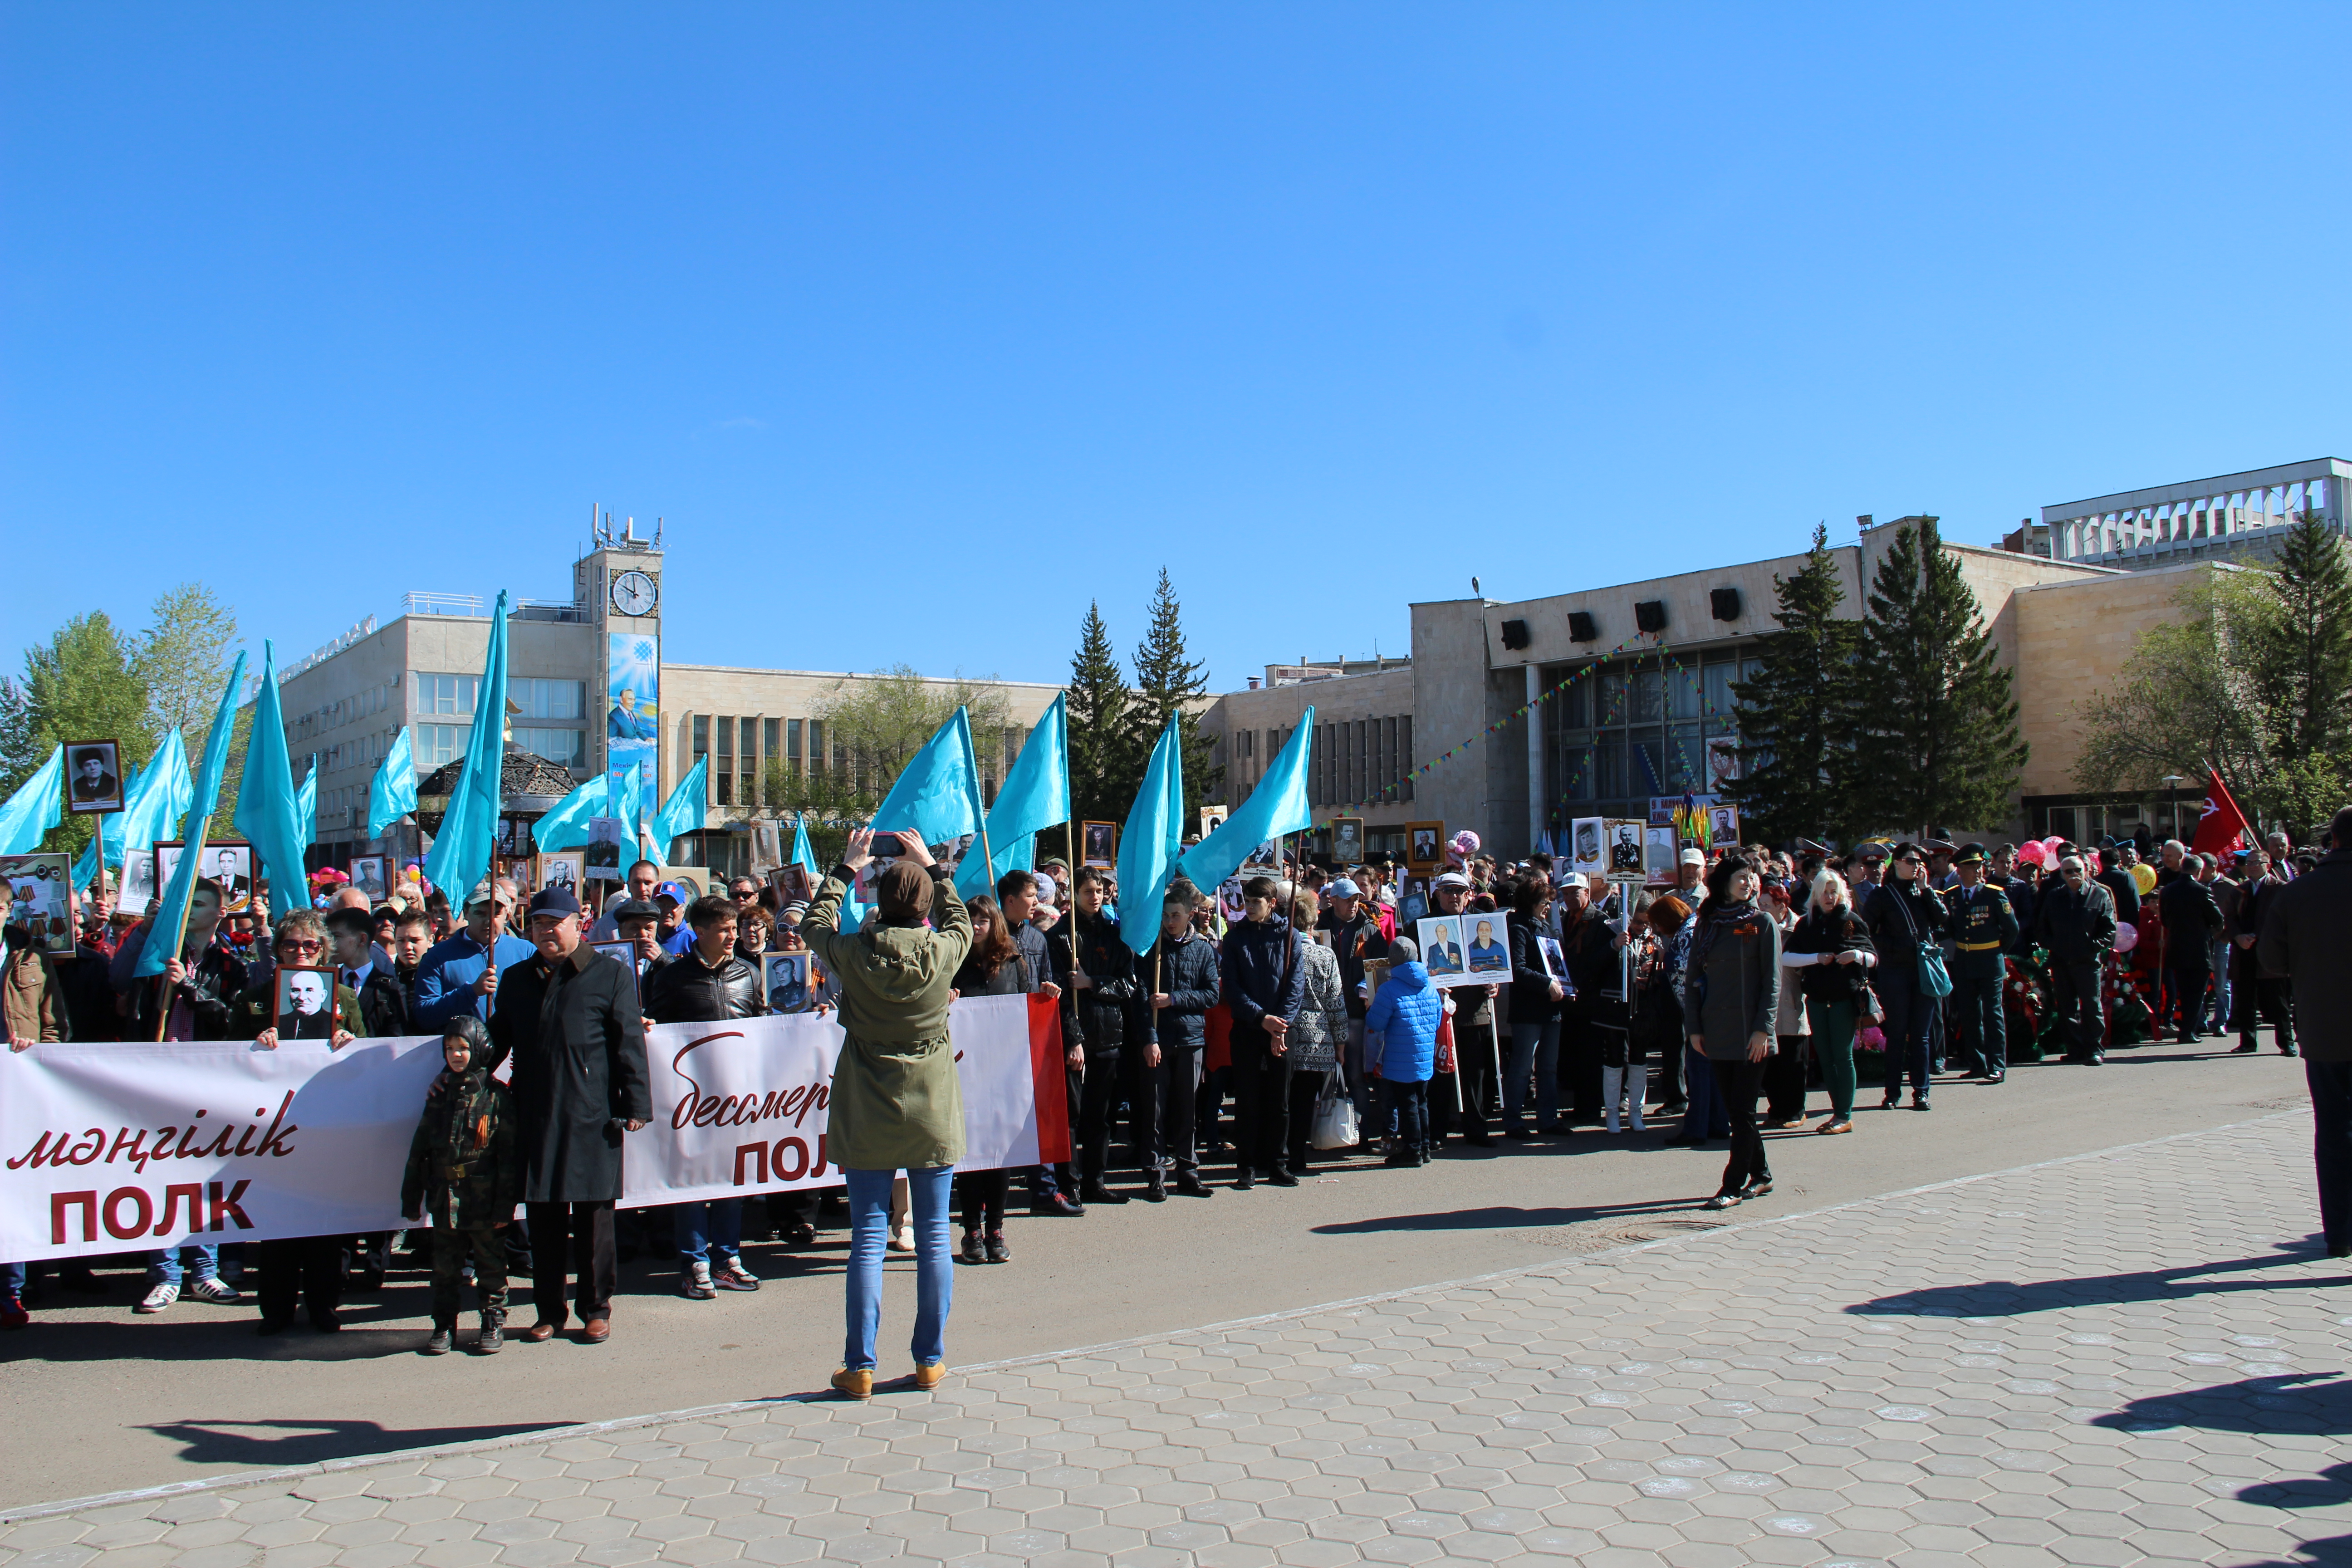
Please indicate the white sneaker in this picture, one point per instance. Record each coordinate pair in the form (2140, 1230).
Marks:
(161, 1297)
(903, 1239)
(216, 1291)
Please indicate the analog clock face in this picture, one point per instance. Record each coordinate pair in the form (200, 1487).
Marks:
(634, 594)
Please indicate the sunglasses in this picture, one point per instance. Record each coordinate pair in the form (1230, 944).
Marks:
(303, 946)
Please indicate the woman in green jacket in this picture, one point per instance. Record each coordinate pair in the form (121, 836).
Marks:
(896, 1103)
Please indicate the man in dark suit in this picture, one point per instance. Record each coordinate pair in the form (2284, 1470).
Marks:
(92, 780)
(569, 1021)
(383, 1000)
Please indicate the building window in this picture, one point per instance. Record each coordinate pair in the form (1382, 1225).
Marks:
(437, 745)
(792, 745)
(567, 747)
(550, 698)
(722, 768)
(446, 693)
(747, 764)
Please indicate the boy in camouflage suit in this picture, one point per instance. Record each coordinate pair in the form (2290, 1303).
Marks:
(466, 1167)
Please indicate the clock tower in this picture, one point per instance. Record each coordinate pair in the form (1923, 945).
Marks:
(619, 583)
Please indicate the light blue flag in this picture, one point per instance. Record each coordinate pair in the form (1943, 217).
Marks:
(268, 809)
(852, 913)
(392, 793)
(622, 793)
(686, 809)
(155, 805)
(1148, 846)
(802, 856)
(170, 912)
(1276, 807)
(1035, 795)
(33, 810)
(461, 849)
(937, 795)
(306, 803)
(566, 826)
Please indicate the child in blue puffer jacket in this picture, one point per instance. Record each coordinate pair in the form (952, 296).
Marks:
(1400, 1049)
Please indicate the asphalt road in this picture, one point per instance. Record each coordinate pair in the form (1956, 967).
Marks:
(100, 1400)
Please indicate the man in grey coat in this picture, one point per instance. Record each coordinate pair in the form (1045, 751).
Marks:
(2306, 932)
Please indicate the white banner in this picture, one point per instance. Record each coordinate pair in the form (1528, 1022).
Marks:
(123, 1148)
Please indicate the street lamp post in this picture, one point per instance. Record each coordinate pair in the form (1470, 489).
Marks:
(2173, 782)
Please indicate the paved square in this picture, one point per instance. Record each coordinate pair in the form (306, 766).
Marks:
(2126, 1358)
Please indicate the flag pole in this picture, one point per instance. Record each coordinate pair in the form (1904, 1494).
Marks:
(164, 982)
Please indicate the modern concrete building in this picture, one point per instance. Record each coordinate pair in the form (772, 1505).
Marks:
(568, 662)
(2233, 516)
(1613, 701)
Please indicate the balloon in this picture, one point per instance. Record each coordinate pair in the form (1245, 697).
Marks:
(2126, 937)
(2031, 853)
(1466, 843)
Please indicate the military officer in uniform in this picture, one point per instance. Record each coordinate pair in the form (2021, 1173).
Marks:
(1983, 926)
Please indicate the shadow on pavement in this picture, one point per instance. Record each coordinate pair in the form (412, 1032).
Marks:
(2293, 1403)
(274, 1444)
(1499, 1217)
(2004, 1298)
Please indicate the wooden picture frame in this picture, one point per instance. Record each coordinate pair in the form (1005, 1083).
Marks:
(367, 875)
(1098, 844)
(1424, 846)
(291, 985)
(562, 867)
(105, 788)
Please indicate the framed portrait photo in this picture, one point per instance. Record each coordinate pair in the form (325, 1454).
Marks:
(368, 877)
(1098, 844)
(1588, 845)
(1267, 856)
(136, 888)
(305, 1008)
(603, 852)
(1625, 836)
(624, 954)
(229, 864)
(1214, 817)
(41, 900)
(564, 868)
(1660, 851)
(93, 776)
(1723, 824)
(791, 884)
(1424, 846)
(784, 982)
(1347, 840)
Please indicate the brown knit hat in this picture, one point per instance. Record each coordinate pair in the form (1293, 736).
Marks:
(903, 892)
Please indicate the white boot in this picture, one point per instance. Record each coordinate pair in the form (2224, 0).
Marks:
(1612, 1088)
(1637, 1090)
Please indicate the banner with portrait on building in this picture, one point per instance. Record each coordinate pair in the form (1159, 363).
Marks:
(633, 709)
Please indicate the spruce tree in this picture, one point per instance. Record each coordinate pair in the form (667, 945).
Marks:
(2303, 673)
(1796, 731)
(1170, 683)
(1103, 771)
(1934, 718)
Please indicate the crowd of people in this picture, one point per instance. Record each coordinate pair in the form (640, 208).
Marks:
(1300, 1027)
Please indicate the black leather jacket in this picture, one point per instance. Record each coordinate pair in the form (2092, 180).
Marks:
(688, 991)
(1102, 1016)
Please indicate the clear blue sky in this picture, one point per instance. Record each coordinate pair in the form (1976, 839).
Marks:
(1327, 308)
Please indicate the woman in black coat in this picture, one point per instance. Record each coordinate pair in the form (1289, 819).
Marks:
(570, 1021)
(1905, 914)
(994, 967)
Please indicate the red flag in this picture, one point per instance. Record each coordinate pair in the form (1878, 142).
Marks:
(2222, 824)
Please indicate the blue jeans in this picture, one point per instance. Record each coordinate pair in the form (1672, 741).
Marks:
(1408, 1104)
(1534, 1047)
(164, 1267)
(703, 1228)
(1706, 1116)
(869, 1224)
(12, 1281)
(2331, 1114)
